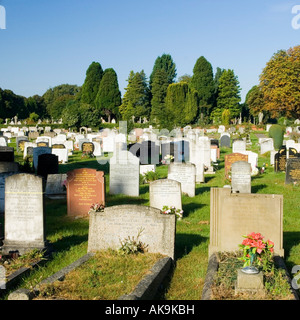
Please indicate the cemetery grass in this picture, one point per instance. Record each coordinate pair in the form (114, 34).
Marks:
(68, 237)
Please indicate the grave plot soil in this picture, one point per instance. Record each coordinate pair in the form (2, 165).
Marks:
(275, 282)
(12, 263)
(106, 276)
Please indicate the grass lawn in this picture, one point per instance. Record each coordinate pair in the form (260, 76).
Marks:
(69, 236)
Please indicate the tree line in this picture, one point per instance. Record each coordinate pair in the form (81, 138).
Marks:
(202, 98)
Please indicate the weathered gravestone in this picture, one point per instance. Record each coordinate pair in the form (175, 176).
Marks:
(39, 151)
(225, 140)
(117, 223)
(124, 173)
(56, 186)
(292, 175)
(232, 158)
(238, 146)
(7, 154)
(185, 173)
(241, 177)
(47, 164)
(84, 188)
(165, 192)
(24, 214)
(280, 160)
(233, 215)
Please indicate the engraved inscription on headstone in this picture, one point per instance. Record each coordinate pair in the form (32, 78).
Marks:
(292, 175)
(241, 177)
(185, 173)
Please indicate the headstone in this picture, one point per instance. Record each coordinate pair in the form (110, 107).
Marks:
(7, 154)
(62, 154)
(84, 188)
(232, 158)
(124, 172)
(233, 215)
(47, 164)
(165, 192)
(280, 160)
(293, 153)
(185, 173)
(292, 175)
(58, 146)
(238, 146)
(56, 186)
(87, 148)
(20, 141)
(266, 145)
(108, 228)
(3, 142)
(225, 141)
(144, 168)
(37, 152)
(24, 214)
(241, 177)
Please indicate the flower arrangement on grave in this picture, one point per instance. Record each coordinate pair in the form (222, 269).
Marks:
(256, 251)
(172, 210)
(96, 207)
(168, 158)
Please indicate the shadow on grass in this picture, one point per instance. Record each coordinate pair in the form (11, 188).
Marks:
(185, 242)
(116, 201)
(201, 189)
(66, 243)
(255, 189)
(290, 239)
(190, 207)
(91, 164)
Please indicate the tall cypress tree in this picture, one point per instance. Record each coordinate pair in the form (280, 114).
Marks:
(166, 63)
(108, 98)
(91, 84)
(159, 92)
(136, 98)
(203, 81)
(228, 96)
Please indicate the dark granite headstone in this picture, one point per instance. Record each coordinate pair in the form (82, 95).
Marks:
(47, 164)
(292, 175)
(7, 154)
(280, 160)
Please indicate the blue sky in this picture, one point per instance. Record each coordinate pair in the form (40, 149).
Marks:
(47, 43)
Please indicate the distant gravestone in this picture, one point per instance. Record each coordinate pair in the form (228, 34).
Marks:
(225, 141)
(165, 192)
(24, 214)
(56, 186)
(185, 173)
(241, 177)
(232, 158)
(292, 175)
(293, 153)
(47, 164)
(7, 154)
(124, 172)
(280, 160)
(108, 228)
(88, 148)
(238, 146)
(20, 142)
(42, 144)
(62, 154)
(84, 188)
(39, 151)
(266, 145)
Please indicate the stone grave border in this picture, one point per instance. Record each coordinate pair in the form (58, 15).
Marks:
(213, 266)
(146, 289)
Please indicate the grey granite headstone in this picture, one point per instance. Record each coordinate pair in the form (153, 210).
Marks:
(185, 173)
(241, 177)
(24, 214)
(165, 192)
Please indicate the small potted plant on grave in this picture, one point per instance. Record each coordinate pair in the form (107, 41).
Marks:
(172, 210)
(96, 207)
(168, 159)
